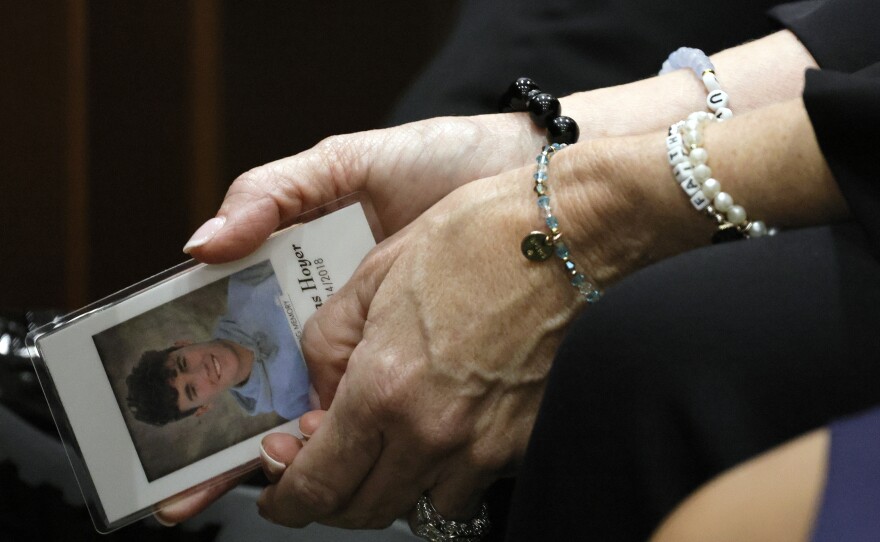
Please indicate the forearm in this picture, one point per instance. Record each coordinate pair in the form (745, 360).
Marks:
(755, 74)
(620, 199)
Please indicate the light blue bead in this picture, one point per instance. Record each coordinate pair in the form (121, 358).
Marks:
(540, 189)
(569, 266)
(562, 250)
(552, 222)
(688, 57)
(544, 207)
(578, 279)
(542, 159)
(594, 296)
(540, 176)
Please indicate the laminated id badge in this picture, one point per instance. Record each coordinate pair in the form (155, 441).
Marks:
(168, 386)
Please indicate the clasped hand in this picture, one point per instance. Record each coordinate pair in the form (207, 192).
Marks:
(426, 386)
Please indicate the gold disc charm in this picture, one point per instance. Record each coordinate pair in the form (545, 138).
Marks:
(536, 246)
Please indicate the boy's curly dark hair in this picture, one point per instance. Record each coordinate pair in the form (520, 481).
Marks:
(150, 397)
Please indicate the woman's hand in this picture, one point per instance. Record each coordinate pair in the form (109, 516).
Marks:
(405, 170)
(432, 359)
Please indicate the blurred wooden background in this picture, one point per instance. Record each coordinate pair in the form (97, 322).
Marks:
(123, 122)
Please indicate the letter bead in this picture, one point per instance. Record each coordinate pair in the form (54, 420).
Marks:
(694, 176)
(723, 113)
(682, 171)
(676, 156)
(717, 99)
(690, 186)
(699, 201)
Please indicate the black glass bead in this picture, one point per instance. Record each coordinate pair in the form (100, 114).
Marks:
(726, 233)
(517, 95)
(563, 130)
(542, 108)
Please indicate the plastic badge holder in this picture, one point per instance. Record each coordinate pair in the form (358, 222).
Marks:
(128, 468)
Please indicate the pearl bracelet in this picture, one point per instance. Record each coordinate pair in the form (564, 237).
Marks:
(539, 246)
(689, 162)
(686, 57)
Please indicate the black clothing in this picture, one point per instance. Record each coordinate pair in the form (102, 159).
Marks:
(675, 377)
(568, 46)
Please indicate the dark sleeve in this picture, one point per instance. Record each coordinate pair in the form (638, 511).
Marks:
(843, 98)
(845, 112)
(568, 46)
(840, 34)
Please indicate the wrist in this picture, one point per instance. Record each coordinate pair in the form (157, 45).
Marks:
(756, 74)
(635, 108)
(622, 209)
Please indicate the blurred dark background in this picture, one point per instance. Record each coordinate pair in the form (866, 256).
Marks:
(123, 123)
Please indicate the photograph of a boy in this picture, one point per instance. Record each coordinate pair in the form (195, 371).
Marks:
(251, 355)
(205, 371)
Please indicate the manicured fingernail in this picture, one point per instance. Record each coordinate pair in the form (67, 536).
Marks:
(275, 467)
(204, 234)
(162, 522)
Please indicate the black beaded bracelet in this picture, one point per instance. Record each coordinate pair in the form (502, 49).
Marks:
(525, 95)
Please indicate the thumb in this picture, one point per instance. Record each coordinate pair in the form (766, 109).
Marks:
(272, 195)
(277, 451)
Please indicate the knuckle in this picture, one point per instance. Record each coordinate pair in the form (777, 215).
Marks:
(436, 438)
(392, 388)
(254, 181)
(257, 190)
(339, 156)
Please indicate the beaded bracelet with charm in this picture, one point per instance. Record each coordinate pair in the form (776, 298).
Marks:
(544, 110)
(540, 246)
(690, 168)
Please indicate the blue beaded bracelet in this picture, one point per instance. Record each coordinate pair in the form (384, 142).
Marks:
(540, 246)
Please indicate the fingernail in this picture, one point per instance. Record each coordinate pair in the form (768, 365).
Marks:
(162, 522)
(204, 234)
(306, 436)
(275, 467)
